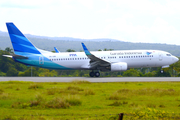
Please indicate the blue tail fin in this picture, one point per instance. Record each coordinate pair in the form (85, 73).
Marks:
(20, 43)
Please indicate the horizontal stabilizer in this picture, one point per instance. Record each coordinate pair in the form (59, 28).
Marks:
(16, 56)
(10, 56)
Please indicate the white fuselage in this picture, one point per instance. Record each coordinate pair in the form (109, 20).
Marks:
(133, 58)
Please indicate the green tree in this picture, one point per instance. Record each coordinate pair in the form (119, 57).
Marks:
(131, 73)
(12, 72)
(27, 72)
(105, 49)
(150, 74)
(70, 50)
(9, 50)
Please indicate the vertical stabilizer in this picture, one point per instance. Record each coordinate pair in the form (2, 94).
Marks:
(20, 43)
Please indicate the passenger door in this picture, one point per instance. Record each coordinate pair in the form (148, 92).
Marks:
(160, 56)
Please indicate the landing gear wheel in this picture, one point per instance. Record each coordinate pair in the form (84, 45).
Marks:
(97, 74)
(91, 74)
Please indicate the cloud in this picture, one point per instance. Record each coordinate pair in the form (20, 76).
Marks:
(130, 20)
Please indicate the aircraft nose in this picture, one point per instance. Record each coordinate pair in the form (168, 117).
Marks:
(175, 59)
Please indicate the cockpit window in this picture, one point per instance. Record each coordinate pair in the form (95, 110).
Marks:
(168, 54)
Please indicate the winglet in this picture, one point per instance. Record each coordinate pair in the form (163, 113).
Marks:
(56, 50)
(85, 49)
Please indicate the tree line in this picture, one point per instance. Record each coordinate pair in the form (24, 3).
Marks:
(8, 67)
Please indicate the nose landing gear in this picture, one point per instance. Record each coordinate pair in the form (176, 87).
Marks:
(162, 70)
(92, 74)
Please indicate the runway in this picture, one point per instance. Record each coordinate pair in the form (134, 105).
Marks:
(100, 79)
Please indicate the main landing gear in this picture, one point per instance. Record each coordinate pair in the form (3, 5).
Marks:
(92, 74)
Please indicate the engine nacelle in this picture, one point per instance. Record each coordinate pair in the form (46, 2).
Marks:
(120, 66)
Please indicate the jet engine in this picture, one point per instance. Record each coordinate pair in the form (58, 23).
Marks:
(120, 66)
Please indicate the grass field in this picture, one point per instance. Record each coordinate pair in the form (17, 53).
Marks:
(89, 101)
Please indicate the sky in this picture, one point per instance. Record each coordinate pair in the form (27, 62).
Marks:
(147, 21)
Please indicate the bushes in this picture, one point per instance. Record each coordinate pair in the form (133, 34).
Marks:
(73, 100)
(57, 103)
(117, 96)
(118, 103)
(74, 88)
(52, 91)
(89, 92)
(35, 86)
(149, 113)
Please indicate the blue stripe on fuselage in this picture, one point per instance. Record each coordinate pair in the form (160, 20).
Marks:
(34, 60)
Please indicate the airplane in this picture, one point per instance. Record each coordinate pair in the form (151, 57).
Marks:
(27, 53)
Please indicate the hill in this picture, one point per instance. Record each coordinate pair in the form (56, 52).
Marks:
(64, 43)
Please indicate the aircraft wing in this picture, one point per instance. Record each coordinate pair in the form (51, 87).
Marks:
(16, 56)
(95, 61)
